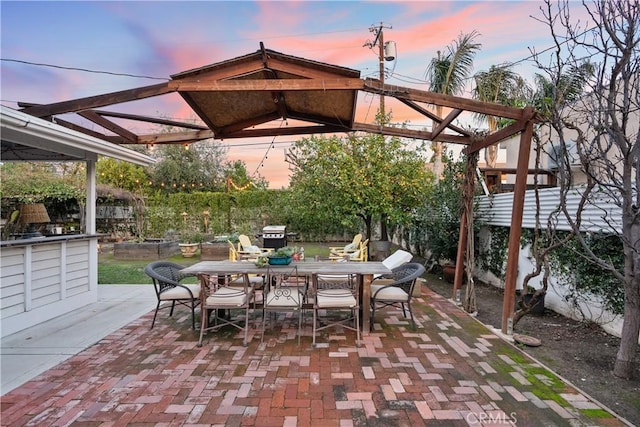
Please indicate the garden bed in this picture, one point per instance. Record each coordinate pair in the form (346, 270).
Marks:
(149, 249)
(214, 251)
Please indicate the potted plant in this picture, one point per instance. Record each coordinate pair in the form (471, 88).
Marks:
(282, 256)
(190, 243)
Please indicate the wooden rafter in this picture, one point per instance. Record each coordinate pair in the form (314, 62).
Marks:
(267, 85)
(98, 100)
(448, 101)
(444, 124)
(108, 124)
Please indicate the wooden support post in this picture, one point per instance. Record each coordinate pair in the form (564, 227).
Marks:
(515, 232)
(460, 255)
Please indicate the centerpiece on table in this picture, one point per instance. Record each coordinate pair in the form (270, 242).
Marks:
(281, 256)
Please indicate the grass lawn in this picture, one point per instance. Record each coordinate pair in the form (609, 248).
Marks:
(115, 271)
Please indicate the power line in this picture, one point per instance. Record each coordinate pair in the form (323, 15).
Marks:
(86, 70)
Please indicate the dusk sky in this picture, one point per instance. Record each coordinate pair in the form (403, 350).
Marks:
(47, 48)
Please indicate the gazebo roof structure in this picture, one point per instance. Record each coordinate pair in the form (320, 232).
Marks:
(240, 97)
(243, 97)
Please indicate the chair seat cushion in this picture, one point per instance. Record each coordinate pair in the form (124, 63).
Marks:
(253, 280)
(391, 293)
(229, 297)
(335, 298)
(284, 298)
(180, 293)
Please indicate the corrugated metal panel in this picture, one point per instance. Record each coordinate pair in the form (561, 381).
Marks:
(601, 214)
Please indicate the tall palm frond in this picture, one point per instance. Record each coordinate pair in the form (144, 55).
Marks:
(448, 72)
(499, 85)
(502, 86)
(568, 88)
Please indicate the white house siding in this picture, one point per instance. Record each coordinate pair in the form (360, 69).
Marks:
(12, 298)
(42, 281)
(496, 210)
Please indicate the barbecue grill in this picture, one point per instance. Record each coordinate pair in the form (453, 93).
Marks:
(274, 236)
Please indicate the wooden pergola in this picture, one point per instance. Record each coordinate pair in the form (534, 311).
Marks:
(241, 97)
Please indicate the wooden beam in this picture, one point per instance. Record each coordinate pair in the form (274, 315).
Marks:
(410, 133)
(224, 70)
(515, 232)
(445, 123)
(90, 102)
(289, 130)
(223, 132)
(81, 129)
(496, 137)
(433, 116)
(175, 137)
(108, 124)
(449, 101)
(148, 119)
(304, 71)
(267, 85)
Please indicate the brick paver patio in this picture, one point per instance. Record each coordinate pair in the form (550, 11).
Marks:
(450, 371)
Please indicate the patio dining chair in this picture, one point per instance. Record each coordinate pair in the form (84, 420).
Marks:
(166, 278)
(220, 299)
(285, 291)
(332, 296)
(397, 291)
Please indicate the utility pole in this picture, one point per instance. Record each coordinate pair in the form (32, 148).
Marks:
(379, 40)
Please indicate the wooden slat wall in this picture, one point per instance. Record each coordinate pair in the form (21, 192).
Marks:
(38, 281)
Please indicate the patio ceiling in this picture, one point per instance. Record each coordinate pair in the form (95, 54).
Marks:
(243, 97)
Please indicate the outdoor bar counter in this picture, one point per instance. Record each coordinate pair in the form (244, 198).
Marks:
(44, 277)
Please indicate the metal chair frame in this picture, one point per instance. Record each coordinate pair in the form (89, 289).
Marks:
(404, 278)
(221, 296)
(337, 294)
(284, 291)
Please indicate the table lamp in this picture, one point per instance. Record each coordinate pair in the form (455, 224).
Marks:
(31, 215)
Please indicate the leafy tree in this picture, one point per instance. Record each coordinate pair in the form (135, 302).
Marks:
(343, 179)
(121, 174)
(60, 186)
(199, 167)
(239, 179)
(447, 74)
(436, 225)
(187, 169)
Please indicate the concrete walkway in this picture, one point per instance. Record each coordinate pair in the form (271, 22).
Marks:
(450, 371)
(32, 351)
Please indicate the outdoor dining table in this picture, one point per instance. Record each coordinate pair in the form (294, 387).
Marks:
(363, 270)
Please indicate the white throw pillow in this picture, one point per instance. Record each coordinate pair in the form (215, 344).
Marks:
(350, 247)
